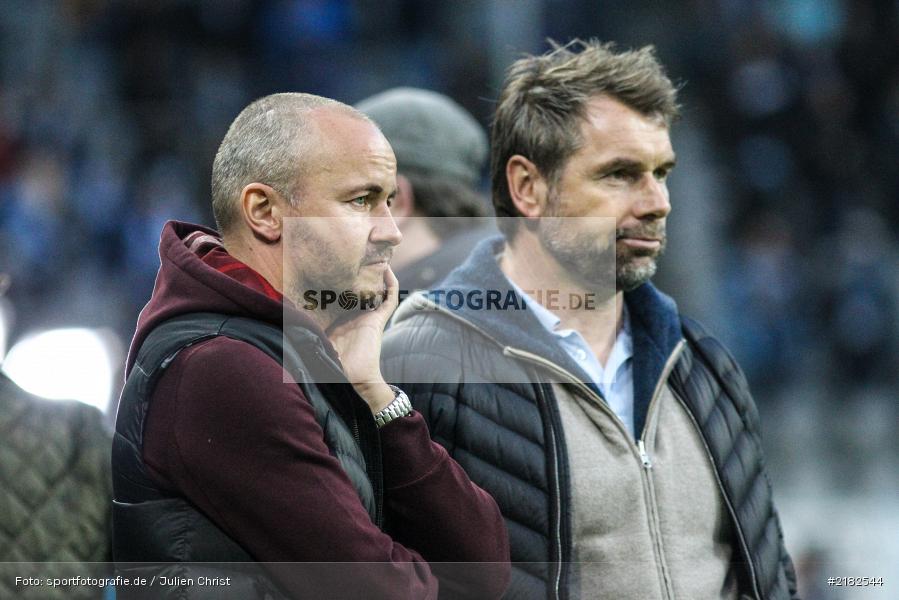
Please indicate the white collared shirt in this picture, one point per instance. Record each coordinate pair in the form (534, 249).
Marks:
(616, 379)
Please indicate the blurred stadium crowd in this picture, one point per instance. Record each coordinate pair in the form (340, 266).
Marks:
(783, 235)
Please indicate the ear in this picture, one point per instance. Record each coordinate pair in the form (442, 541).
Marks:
(527, 187)
(262, 209)
(403, 205)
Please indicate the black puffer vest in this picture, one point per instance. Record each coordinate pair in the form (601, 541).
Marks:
(153, 526)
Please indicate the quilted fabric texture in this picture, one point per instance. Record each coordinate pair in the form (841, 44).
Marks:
(713, 387)
(498, 433)
(55, 493)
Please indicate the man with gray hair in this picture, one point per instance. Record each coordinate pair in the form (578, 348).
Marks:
(255, 424)
(441, 151)
(618, 437)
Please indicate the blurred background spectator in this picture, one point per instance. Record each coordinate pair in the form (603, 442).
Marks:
(55, 495)
(783, 235)
(55, 491)
(441, 152)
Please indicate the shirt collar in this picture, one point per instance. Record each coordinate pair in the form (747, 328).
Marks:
(623, 350)
(624, 341)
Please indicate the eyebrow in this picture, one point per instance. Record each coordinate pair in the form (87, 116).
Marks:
(371, 189)
(630, 164)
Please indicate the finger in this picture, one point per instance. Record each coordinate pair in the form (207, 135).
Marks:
(393, 291)
(393, 286)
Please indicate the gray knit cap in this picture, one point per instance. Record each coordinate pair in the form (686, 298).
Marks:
(429, 133)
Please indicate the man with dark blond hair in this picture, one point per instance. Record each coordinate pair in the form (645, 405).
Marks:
(618, 437)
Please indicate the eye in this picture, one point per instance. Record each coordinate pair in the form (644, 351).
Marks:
(661, 174)
(360, 201)
(622, 175)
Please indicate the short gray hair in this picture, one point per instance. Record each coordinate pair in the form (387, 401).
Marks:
(543, 102)
(265, 144)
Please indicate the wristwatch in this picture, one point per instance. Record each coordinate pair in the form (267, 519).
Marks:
(400, 407)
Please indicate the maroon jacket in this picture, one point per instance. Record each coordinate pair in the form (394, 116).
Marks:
(267, 478)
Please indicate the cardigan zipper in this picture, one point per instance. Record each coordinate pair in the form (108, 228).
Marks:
(644, 456)
(638, 447)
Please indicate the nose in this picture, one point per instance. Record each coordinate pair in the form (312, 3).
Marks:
(653, 202)
(385, 230)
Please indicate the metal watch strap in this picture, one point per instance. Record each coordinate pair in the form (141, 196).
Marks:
(400, 407)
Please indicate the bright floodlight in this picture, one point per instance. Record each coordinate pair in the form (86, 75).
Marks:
(61, 364)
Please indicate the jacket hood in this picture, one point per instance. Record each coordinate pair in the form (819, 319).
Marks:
(186, 284)
(655, 323)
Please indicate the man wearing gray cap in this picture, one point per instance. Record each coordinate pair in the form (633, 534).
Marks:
(440, 151)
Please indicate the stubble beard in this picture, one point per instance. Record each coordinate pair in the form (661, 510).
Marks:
(338, 277)
(631, 273)
(595, 264)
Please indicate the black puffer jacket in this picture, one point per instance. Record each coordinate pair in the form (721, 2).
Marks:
(462, 370)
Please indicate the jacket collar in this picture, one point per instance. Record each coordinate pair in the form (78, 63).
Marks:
(656, 330)
(515, 325)
(655, 323)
